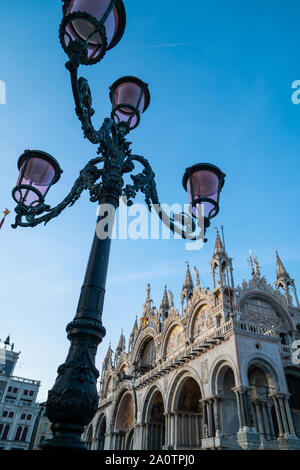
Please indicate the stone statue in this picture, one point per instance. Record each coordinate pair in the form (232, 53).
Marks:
(171, 297)
(197, 277)
(256, 266)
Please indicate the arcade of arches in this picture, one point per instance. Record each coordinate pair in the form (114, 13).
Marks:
(221, 373)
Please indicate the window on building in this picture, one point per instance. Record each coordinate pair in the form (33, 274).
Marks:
(4, 414)
(9, 389)
(11, 414)
(5, 432)
(25, 392)
(31, 393)
(18, 433)
(45, 427)
(23, 416)
(24, 434)
(28, 417)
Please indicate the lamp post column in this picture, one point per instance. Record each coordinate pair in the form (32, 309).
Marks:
(73, 400)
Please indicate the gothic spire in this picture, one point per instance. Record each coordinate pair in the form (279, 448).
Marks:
(135, 326)
(219, 248)
(188, 282)
(188, 288)
(280, 269)
(285, 282)
(165, 304)
(121, 345)
(108, 357)
(148, 301)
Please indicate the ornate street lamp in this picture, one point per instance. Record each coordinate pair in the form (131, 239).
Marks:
(92, 27)
(130, 97)
(73, 400)
(38, 171)
(204, 182)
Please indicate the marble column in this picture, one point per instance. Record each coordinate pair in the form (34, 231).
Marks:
(239, 408)
(278, 416)
(172, 426)
(259, 417)
(289, 415)
(166, 415)
(252, 421)
(217, 415)
(283, 414)
(269, 411)
(211, 424)
(205, 419)
(176, 424)
(266, 420)
(107, 441)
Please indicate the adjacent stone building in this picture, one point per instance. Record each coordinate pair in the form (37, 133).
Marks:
(18, 407)
(222, 373)
(42, 429)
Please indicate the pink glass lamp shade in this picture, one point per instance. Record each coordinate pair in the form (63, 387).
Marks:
(130, 97)
(38, 171)
(204, 182)
(99, 24)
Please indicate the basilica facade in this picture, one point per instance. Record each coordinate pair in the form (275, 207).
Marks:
(221, 373)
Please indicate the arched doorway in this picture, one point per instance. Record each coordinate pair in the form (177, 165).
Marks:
(101, 432)
(188, 415)
(124, 421)
(155, 422)
(89, 438)
(227, 400)
(265, 415)
(293, 382)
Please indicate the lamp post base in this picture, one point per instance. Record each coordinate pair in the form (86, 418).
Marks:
(66, 437)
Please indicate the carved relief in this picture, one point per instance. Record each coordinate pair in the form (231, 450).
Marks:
(259, 311)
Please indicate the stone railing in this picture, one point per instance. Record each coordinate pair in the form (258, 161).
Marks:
(25, 381)
(243, 326)
(285, 350)
(205, 341)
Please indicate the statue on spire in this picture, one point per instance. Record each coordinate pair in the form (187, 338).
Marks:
(256, 267)
(197, 277)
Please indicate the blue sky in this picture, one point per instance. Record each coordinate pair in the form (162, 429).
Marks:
(220, 76)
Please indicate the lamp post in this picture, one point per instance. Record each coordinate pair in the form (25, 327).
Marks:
(88, 29)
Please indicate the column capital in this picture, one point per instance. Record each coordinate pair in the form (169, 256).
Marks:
(277, 394)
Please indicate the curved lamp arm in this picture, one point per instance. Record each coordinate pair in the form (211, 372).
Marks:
(83, 104)
(87, 180)
(145, 182)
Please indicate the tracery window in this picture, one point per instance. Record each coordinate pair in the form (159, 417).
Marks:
(148, 354)
(146, 357)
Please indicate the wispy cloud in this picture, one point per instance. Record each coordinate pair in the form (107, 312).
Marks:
(144, 275)
(160, 46)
